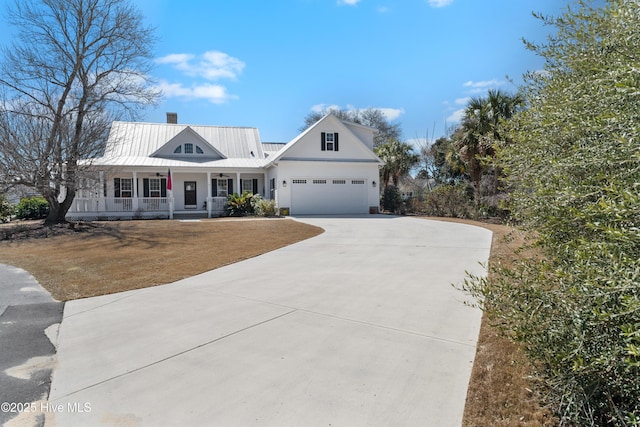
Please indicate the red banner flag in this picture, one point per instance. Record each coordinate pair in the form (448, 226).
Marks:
(169, 183)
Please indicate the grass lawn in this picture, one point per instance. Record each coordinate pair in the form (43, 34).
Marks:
(102, 258)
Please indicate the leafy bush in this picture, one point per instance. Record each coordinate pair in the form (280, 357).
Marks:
(240, 204)
(575, 304)
(448, 201)
(263, 207)
(6, 209)
(391, 199)
(32, 208)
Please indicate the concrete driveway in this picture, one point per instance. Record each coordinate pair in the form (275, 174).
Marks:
(359, 326)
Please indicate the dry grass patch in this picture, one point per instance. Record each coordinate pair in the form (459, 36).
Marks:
(106, 257)
(502, 389)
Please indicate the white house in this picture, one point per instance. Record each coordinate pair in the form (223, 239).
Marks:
(161, 170)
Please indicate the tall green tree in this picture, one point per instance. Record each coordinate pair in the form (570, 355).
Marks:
(480, 131)
(74, 67)
(399, 158)
(575, 162)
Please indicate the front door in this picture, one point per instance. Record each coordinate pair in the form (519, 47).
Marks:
(190, 199)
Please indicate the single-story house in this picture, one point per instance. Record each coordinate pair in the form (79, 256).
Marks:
(159, 170)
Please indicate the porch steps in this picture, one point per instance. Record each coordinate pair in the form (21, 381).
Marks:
(190, 215)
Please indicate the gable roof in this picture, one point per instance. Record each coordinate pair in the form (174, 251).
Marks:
(342, 126)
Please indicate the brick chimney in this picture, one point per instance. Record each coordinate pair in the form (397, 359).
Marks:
(172, 118)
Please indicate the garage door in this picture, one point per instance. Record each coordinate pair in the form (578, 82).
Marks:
(328, 196)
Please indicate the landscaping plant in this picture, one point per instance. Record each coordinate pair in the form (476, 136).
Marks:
(32, 208)
(6, 209)
(574, 159)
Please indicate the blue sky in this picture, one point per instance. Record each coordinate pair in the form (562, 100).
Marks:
(268, 63)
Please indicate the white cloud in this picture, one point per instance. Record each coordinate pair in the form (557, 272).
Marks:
(390, 113)
(348, 2)
(439, 3)
(319, 108)
(482, 86)
(462, 101)
(211, 65)
(456, 116)
(213, 93)
(383, 9)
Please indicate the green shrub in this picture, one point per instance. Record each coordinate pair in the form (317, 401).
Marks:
(391, 199)
(32, 208)
(574, 163)
(7, 210)
(449, 201)
(264, 207)
(240, 204)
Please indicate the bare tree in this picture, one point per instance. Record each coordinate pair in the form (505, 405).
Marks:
(75, 66)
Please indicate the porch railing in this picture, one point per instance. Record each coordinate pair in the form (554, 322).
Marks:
(120, 204)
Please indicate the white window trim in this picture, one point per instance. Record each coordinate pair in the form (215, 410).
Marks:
(223, 188)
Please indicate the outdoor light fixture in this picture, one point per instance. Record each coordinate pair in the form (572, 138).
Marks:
(284, 183)
(373, 183)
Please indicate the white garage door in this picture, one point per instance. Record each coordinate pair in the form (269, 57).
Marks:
(328, 196)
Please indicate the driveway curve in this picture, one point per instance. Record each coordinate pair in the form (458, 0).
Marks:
(359, 326)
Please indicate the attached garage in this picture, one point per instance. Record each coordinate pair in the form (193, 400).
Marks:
(311, 196)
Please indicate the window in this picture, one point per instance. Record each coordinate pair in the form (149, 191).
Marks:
(299, 181)
(223, 188)
(123, 187)
(178, 150)
(319, 181)
(247, 185)
(154, 187)
(188, 148)
(357, 181)
(199, 150)
(329, 141)
(339, 181)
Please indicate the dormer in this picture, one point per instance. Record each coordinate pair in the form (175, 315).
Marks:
(188, 145)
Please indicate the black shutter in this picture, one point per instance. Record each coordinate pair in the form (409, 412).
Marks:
(145, 187)
(335, 141)
(163, 187)
(214, 188)
(116, 187)
(323, 142)
(255, 186)
(230, 186)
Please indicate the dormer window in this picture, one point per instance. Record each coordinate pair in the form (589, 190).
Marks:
(188, 149)
(329, 141)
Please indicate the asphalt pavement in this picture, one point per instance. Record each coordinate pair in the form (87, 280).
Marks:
(359, 326)
(28, 324)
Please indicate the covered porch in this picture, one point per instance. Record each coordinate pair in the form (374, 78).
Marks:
(139, 193)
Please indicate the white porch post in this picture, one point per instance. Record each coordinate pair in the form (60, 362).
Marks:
(170, 195)
(265, 187)
(239, 184)
(101, 193)
(134, 205)
(209, 197)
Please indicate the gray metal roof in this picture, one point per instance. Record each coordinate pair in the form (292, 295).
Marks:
(133, 142)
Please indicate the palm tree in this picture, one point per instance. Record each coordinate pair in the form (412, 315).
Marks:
(399, 158)
(479, 131)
